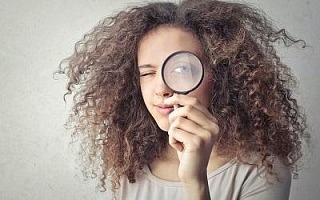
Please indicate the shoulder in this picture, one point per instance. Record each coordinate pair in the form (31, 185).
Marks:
(261, 185)
(237, 180)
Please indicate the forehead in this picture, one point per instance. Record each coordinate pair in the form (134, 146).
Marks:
(159, 43)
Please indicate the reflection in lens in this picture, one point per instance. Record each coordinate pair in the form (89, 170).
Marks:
(182, 70)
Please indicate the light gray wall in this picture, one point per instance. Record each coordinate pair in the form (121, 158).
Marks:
(36, 160)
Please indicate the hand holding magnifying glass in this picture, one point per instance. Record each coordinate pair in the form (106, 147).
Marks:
(182, 72)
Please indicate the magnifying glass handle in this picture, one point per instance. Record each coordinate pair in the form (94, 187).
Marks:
(178, 105)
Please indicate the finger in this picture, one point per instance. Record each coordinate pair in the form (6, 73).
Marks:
(194, 115)
(175, 143)
(185, 141)
(191, 127)
(186, 124)
(184, 100)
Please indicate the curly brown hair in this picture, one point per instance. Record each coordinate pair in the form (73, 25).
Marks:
(252, 98)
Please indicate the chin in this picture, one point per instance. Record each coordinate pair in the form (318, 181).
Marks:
(163, 126)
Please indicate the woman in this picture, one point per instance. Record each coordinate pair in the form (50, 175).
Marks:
(237, 136)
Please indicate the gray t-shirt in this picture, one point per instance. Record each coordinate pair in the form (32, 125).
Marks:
(233, 181)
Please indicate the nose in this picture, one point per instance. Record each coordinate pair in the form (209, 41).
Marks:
(161, 88)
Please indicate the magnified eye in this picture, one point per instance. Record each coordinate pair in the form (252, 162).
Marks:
(182, 70)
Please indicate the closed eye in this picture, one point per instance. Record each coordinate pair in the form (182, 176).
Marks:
(143, 74)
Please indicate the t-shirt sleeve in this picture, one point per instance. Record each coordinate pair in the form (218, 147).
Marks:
(258, 187)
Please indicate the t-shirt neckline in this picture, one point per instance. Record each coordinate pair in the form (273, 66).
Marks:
(164, 182)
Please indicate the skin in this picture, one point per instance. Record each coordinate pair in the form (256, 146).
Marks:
(191, 127)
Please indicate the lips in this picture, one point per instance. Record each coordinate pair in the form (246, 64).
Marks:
(164, 109)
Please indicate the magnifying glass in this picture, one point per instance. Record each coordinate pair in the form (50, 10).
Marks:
(182, 72)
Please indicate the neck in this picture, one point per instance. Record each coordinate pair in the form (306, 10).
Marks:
(170, 154)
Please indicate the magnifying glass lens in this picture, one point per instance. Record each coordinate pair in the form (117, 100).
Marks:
(182, 72)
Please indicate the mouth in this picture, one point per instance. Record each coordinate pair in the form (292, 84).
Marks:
(165, 109)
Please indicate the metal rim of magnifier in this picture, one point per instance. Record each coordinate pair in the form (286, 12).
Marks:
(164, 64)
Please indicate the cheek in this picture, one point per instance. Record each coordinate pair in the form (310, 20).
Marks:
(145, 91)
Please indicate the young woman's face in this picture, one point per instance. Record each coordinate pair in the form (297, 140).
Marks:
(153, 50)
